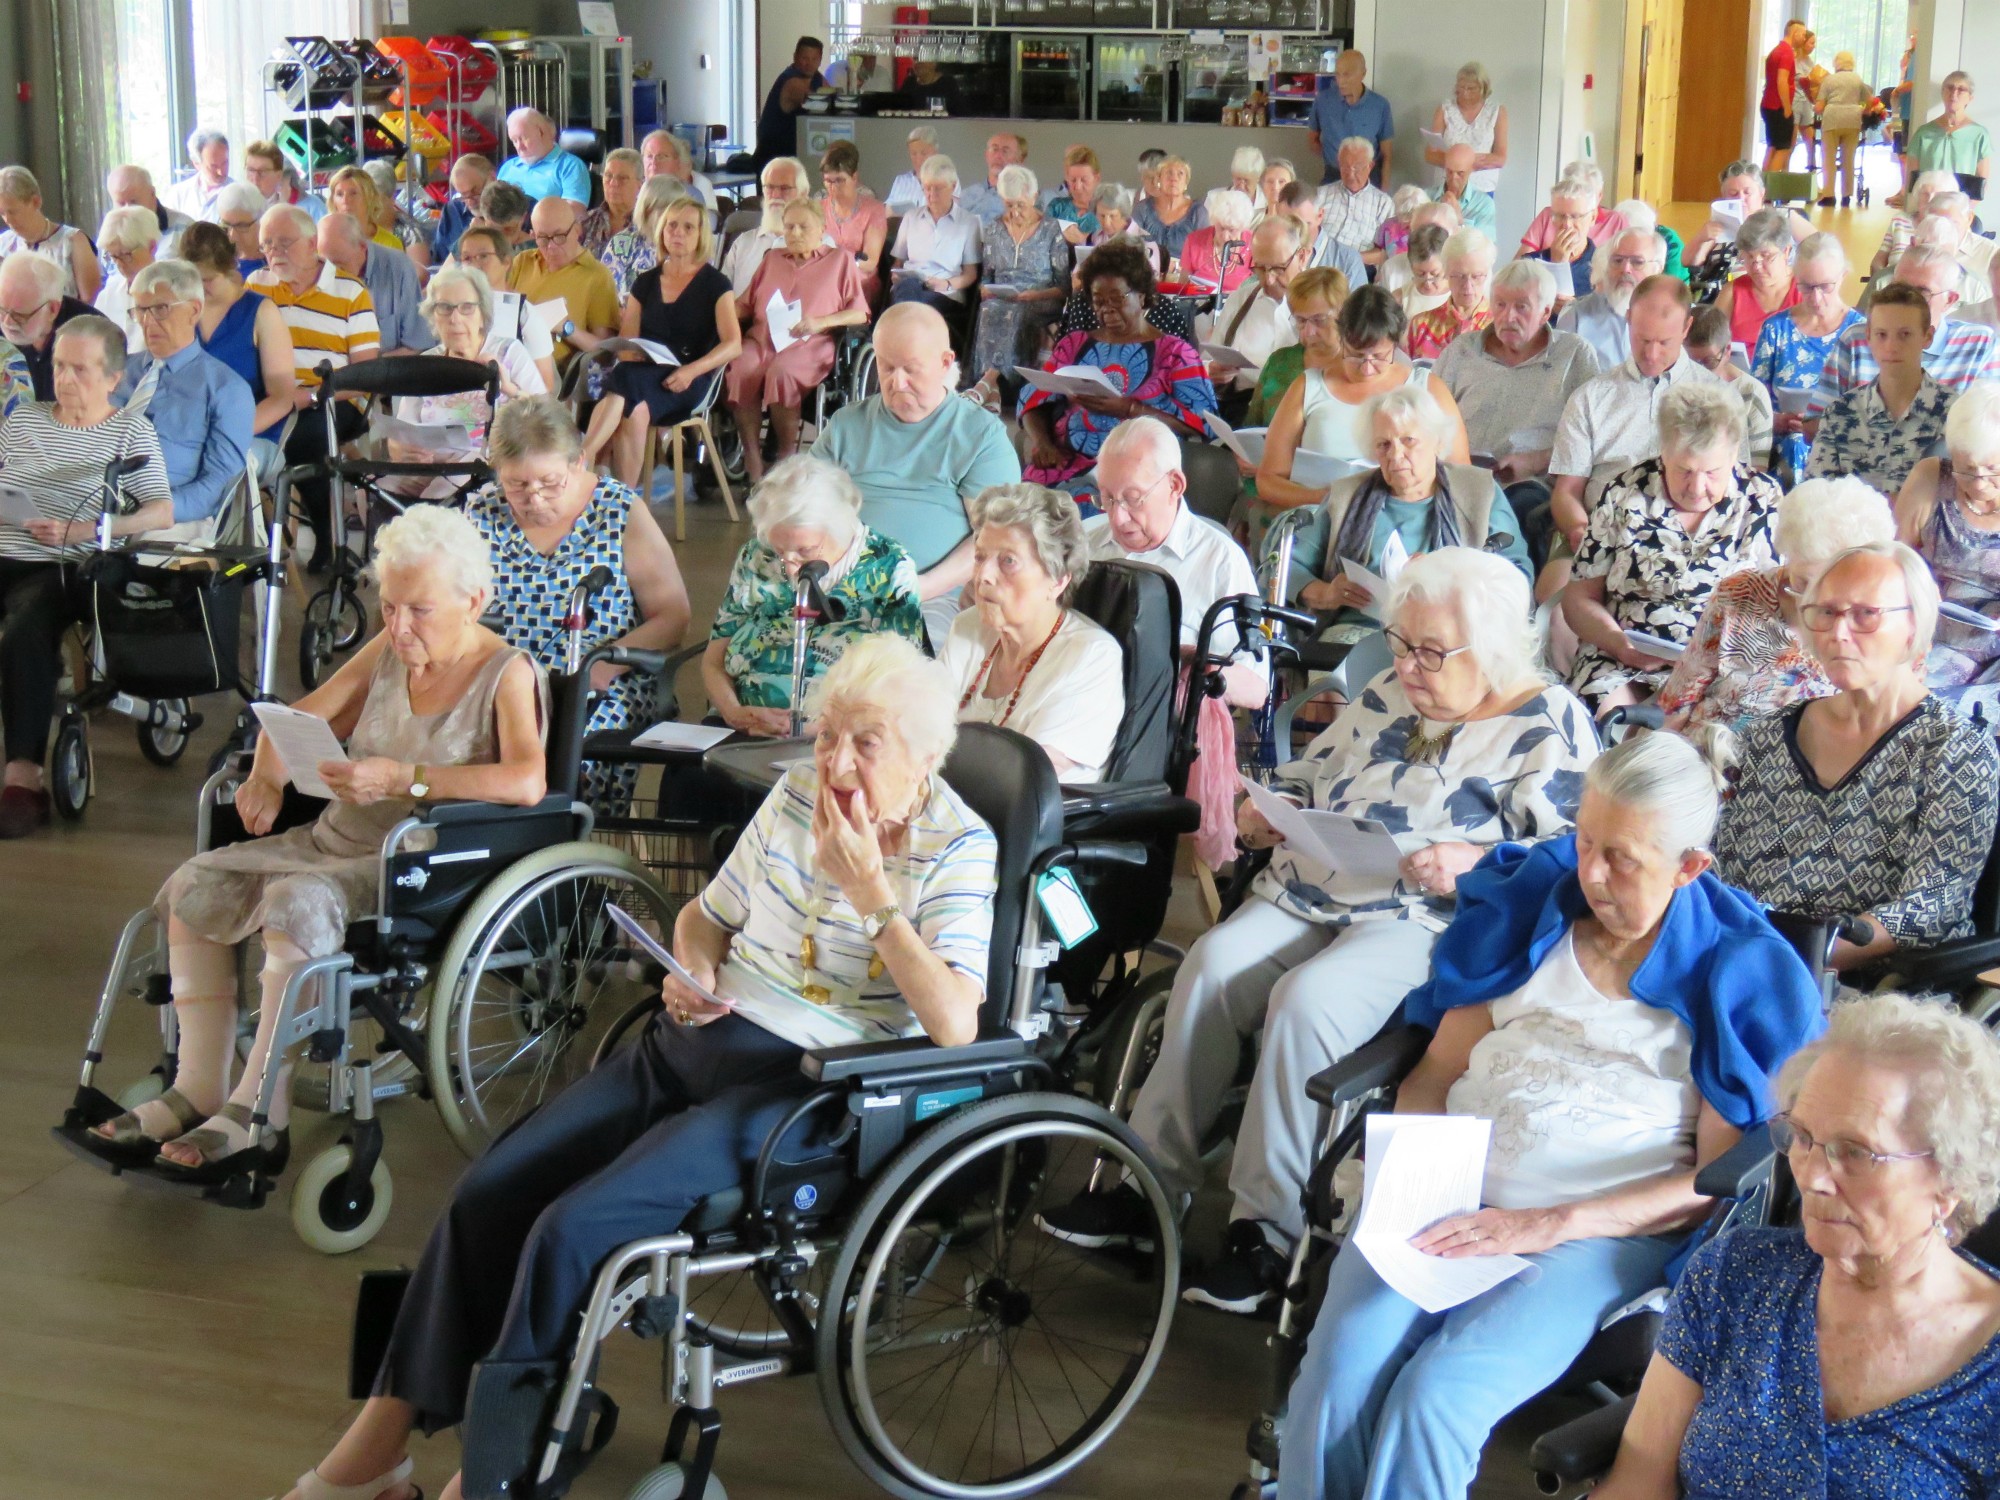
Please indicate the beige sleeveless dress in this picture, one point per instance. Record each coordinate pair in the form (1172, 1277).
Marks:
(309, 883)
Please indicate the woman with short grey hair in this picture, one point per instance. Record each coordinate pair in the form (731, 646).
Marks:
(1662, 536)
(1766, 285)
(1793, 345)
(804, 511)
(28, 228)
(1949, 511)
(1891, 1125)
(1023, 276)
(1218, 253)
(1877, 801)
(1022, 658)
(128, 237)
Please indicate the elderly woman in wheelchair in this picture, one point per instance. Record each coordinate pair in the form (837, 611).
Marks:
(1619, 1015)
(1858, 1353)
(435, 706)
(862, 893)
(1460, 746)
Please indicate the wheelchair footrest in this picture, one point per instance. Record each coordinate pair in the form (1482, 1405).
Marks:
(507, 1412)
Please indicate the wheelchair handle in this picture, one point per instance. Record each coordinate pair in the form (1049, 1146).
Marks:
(1856, 930)
(1091, 852)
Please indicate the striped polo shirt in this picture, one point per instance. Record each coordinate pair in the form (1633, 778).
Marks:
(331, 321)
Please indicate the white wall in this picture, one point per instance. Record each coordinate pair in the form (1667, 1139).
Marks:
(690, 44)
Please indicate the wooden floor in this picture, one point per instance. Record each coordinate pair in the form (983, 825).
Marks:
(153, 1346)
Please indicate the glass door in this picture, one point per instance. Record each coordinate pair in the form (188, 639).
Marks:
(1131, 79)
(1049, 76)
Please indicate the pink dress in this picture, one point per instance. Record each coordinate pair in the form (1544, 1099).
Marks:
(851, 233)
(1202, 262)
(827, 283)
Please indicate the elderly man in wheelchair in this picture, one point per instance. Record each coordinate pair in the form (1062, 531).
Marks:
(848, 931)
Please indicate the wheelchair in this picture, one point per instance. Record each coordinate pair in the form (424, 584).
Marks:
(899, 1263)
(164, 627)
(335, 617)
(482, 981)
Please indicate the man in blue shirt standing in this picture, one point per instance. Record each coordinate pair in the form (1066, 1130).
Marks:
(1351, 108)
(200, 408)
(539, 167)
(469, 176)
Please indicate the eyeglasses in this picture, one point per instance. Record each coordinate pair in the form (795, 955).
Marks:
(1630, 262)
(537, 489)
(1271, 270)
(556, 238)
(1847, 1158)
(1816, 288)
(280, 247)
(1313, 321)
(1109, 502)
(12, 318)
(1863, 619)
(454, 309)
(1430, 658)
(153, 312)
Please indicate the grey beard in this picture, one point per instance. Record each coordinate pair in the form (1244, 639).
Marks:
(1620, 298)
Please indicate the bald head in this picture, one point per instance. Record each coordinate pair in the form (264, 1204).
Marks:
(913, 360)
(1458, 162)
(554, 222)
(342, 241)
(532, 133)
(131, 187)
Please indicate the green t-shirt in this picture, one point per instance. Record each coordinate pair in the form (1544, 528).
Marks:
(1935, 149)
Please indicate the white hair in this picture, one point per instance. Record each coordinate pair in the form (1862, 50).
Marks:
(176, 278)
(290, 214)
(1668, 776)
(48, 279)
(1359, 143)
(436, 535)
(1701, 416)
(470, 277)
(1017, 181)
(19, 183)
(1766, 229)
(1144, 435)
(1918, 582)
(764, 176)
(1953, 205)
(132, 170)
(112, 349)
(1050, 519)
(808, 492)
(1575, 189)
(1407, 405)
(1229, 209)
(1921, 256)
(1926, 186)
(242, 198)
(925, 134)
(1467, 244)
(1246, 161)
(128, 229)
(1407, 199)
(529, 112)
(1953, 1063)
(1114, 196)
(938, 169)
(1528, 275)
(1822, 518)
(887, 673)
(1637, 214)
(1972, 430)
(1492, 600)
(1819, 248)
(1587, 172)
(531, 427)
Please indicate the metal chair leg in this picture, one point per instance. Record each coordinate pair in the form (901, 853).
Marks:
(721, 475)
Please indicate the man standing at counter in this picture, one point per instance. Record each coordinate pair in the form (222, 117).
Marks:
(778, 124)
(1351, 108)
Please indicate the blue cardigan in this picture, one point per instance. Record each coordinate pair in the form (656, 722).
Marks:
(1746, 996)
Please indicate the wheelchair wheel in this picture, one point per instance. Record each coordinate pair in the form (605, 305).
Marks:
(163, 736)
(533, 974)
(971, 1355)
(1141, 1016)
(865, 381)
(326, 1217)
(334, 621)
(669, 1482)
(729, 442)
(69, 775)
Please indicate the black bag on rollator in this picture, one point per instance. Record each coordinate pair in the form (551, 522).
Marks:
(167, 632)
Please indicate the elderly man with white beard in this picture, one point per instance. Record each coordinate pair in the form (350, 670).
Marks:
(782, 180)
(1599, 319)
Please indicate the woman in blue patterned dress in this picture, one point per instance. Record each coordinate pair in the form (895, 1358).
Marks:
(1796, 342)
(1156, 374)
(1949, 511)
(1859, 1354)
(1023, 271)
(805, 510)
(549, 524)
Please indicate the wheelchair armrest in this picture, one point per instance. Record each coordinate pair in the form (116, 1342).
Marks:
(1739, 1169)
(1581, 1449)
(1128, 809)
(1948, 966)
(457, 814)
(885, 1062)
(1386, 1060)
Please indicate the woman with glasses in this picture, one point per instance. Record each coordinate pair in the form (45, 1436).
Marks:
(1663, 534)
(857, 220)
(129, 238)
(1858, 1353)
(1620, 1016)
(1877, 801)
(1949, 511)
(1460, 745)
(487, 250)
(1767, 286)
(1794, 345)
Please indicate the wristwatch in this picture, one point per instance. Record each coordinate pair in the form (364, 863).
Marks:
(420, 786)
(875, 921)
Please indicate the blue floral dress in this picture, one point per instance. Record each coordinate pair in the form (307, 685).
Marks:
(532, 590)
(1785, 357)
(1516, 777)
(1964, 664)
(1743, 1326)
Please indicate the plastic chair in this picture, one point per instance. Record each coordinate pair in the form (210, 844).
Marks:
(698, 421)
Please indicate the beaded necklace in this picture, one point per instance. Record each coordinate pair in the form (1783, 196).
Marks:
(1021, 682)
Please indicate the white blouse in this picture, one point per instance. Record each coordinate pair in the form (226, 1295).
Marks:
(1478, 134)
(1071, 703)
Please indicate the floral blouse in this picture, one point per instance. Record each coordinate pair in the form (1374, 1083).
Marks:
(1164, 372)
(1657, 575)
(1787, 359)
(876, 581)
(625, 255)
(1858, 436)
(1517, 776)
(1431, 331)
(1744, 660)
(1902, 837)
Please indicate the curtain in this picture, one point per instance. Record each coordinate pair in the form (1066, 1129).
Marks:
(90, 113)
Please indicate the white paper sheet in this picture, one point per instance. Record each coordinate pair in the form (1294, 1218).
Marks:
(659, 354)
(1070, 380)
(1233, 359)
(1358, 848)
(1422, 1169)
(782, 318)
(673, 735)
(553, 313)
(1655, 645)
(432, 437)
(1433, 138)
(1965, 616)
(17, 505)
(1794, 400)
(1369, 579)
(1319, 471)
(1247, 443)
(1730, 212)
(1739, 355)
(1395, 557)
(302, 741)
(928, 270)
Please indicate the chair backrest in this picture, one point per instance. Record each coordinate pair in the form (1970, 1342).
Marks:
(1007, 779)
(1139, 606)
(1986, 894)
(736, 225)
(1213, 485)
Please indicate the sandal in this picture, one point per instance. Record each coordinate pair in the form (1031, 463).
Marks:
(128, 1140)
(312, 1487)
(224, 1146)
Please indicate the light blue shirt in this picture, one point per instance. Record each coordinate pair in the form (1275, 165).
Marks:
(201, 411)
(1475, 208)
(556, 175)
(1335, 119)
(982, 200)
(391, 279)
(1330, 255)
(1592, 319)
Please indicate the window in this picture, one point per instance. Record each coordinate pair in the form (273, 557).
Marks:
(1873, 30)
(230, 45)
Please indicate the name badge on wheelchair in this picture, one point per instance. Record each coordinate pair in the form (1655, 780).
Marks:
(1070, 917)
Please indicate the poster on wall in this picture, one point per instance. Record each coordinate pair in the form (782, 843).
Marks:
(815, 135)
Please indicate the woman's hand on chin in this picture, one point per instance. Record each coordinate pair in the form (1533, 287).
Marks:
(847, 848)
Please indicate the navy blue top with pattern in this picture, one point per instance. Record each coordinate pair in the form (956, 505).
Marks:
(1742, 1326)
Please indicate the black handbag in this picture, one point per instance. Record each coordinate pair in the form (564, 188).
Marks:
(167, 632)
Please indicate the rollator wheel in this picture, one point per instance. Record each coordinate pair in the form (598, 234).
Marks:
(669, 1482)
(324, 1214)
(534, 974)
(729, 442)
(163, 739)
(334, 621)
(350, 620)
(1983, 1005)
(966, 1353)
(69, 770)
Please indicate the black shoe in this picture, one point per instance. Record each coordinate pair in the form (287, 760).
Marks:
(1115, 1220)
(1826, 202)
(1250, 1273)
(1844, 202)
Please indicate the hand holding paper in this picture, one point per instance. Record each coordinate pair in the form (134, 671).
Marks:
(302, 741)
(782, 318)
(1422, 1169)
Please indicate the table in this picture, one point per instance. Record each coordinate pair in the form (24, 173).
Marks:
(756, 765)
